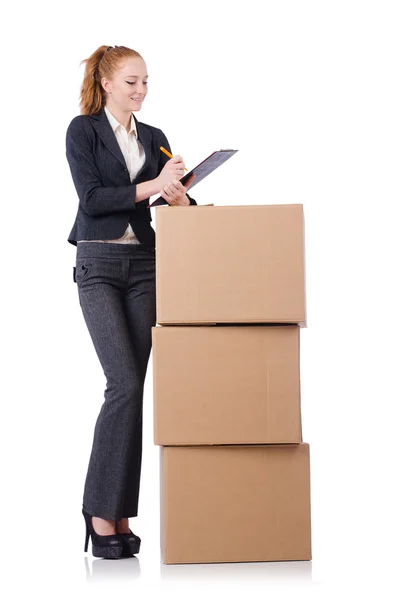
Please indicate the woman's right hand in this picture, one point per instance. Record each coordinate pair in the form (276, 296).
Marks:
(174, 168)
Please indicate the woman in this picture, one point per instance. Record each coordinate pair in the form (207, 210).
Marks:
(116, 165)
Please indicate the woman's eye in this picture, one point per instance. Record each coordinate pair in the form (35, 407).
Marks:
(132, 82)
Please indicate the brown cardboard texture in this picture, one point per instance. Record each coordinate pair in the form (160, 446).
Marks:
(230, 264)
(226, 385)
(235, 503)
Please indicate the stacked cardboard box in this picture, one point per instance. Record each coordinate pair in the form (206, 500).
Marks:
(234, 471)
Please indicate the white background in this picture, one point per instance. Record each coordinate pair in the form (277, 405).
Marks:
(306, 90)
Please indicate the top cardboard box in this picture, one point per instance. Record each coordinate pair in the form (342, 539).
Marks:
(230, 264)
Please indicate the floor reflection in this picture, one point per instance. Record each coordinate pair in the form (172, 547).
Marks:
(286, 571)
(118, 570)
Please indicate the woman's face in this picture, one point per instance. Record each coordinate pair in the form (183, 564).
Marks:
(129, 86)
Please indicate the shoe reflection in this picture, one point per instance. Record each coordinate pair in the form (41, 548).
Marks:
(104, 570)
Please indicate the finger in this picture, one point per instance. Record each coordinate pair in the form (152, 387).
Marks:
(176, 185)
(173, 187)
(169, 195)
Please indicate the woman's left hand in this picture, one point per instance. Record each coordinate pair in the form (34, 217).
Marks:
(175, 192)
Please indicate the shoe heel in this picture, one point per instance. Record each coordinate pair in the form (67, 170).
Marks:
(87, 537)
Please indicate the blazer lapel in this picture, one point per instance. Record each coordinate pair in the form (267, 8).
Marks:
(106, 133)
(144, 137)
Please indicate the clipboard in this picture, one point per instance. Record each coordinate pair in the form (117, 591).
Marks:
(209, 164)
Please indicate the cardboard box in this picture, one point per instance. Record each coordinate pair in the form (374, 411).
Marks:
(230, 264)
(235, 503)
(226, 385)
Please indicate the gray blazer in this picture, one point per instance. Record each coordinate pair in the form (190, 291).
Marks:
(100, 175)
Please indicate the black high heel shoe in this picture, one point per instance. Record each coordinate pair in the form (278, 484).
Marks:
(103, 546)
(132, 543)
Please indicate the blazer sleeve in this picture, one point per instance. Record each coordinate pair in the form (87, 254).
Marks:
(95, 199)
(163, 159)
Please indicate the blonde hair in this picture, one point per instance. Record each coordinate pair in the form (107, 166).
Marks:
(104, 62)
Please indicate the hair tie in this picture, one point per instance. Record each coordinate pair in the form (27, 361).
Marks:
(109, 48)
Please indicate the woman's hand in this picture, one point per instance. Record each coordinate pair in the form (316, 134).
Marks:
(175, 192)
(173, 169)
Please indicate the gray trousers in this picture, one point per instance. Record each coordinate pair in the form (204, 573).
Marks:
(117, 293)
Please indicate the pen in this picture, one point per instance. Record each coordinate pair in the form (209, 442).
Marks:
(168, 153)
